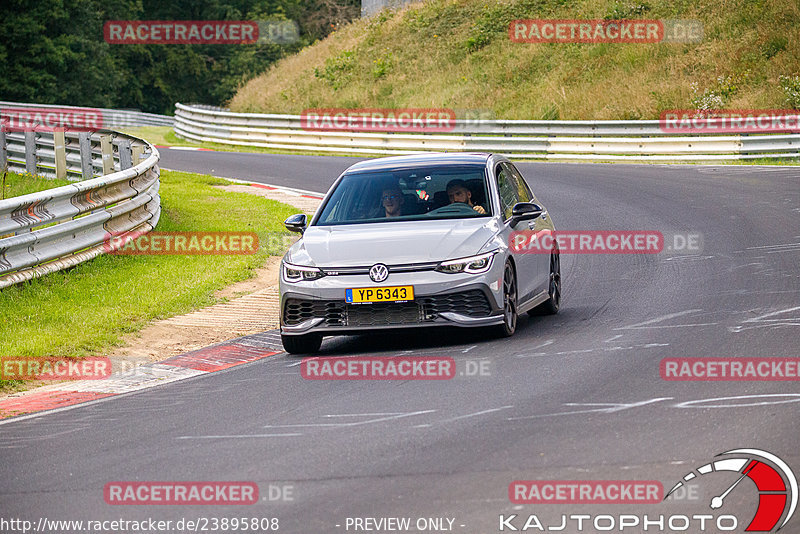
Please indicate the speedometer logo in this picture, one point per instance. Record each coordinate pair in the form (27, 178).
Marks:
(776, 483)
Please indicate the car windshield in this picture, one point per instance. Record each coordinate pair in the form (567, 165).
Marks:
(426, 193)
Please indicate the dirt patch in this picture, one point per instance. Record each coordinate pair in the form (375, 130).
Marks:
(264, 277)
(249, 306)
(236, 316)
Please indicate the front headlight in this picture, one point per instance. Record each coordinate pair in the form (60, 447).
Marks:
(296, 273)
(473, 264)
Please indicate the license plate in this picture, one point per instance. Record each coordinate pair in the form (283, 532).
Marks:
(361, 295)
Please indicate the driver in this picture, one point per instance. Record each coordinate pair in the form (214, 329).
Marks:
(392, 201)
(457, 191)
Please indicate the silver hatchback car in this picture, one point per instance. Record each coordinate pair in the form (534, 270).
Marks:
(415, 241)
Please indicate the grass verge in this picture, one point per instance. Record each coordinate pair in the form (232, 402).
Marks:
(16, 185)
(86, 309)
(458, 54)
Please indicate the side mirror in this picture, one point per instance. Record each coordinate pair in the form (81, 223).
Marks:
(523, 211)
(296, 223)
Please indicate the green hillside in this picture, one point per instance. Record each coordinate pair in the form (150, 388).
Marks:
(457, 54)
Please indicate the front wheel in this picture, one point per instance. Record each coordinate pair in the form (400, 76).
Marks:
(552, 304)
(305, 344)
(509, 325)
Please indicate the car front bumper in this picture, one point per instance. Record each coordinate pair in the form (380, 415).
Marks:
(439, 299)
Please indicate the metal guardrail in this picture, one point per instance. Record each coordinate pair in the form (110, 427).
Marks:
(113, 119)
(371, 7)
(642, 140)
(83, 157)
(58, 228)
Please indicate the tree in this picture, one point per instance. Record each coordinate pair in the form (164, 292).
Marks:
(54, 52)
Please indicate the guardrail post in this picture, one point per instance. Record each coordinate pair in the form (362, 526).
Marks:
(85, 146)
(108, 154)
(60, 151)
(30, 152)
(125, 156)
(3, 151)
(136, 154)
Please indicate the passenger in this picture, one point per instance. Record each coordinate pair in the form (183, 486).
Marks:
(392, 200)
(457, 191)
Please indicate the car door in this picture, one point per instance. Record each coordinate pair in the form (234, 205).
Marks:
(539, 224)
(508, 189)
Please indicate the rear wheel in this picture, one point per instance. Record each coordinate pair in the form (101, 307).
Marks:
(509, 325)
(305, 344)
(552, 304)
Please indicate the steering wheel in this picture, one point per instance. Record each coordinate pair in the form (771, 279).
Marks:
(455, 207)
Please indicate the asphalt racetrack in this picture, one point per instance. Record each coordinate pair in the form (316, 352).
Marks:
(577, 396)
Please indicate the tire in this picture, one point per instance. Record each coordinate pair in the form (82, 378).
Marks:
(305, 344)
(552, 304)
(510, 316)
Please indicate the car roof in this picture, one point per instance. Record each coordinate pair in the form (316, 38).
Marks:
(419, 160)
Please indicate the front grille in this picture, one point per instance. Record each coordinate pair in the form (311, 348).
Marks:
(383, 314)
(472, 303)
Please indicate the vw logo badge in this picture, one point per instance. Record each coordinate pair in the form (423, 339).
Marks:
(379, 272)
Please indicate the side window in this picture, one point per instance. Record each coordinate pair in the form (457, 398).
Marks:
(508, 189)
(525, 194)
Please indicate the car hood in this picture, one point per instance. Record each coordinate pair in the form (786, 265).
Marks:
(391, 243)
